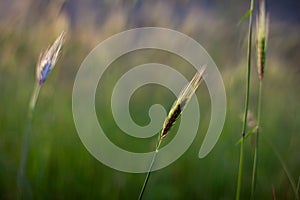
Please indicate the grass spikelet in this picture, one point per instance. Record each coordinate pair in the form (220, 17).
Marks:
(262, 26)
(47, 60)
(177, 108)
(46, 63)
(182, 101)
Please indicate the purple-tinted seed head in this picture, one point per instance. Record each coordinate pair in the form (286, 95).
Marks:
(45, 72)
(48, 59)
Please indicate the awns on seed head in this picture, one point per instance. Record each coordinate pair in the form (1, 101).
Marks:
(182, 101)
(47, 60)
(262, 26)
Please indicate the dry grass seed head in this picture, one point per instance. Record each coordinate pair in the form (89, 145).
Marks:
(47, 60)
(262, 26)
(183, 99)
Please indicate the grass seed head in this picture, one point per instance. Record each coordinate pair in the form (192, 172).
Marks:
(47, 60)
(183, 99)
(262, 26)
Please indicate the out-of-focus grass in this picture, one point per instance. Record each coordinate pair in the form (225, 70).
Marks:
(59, 166)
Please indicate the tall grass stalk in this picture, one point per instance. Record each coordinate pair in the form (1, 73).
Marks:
(298, 185)
(255, 160)
(22, 181)
(295, 188)
(240, 173)
(262, 25)
(46, 63)
(175, 111)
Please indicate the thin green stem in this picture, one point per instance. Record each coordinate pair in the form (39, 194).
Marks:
(34, 97)
(159, 140)
(298, 185)
(240, 173)
(21, 179)
(285, 168)
(147, 177)
(255, 160)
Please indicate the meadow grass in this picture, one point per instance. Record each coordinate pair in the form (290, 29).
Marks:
(284, 166)
(174, 113)
(45, 64)
(262, 25)
(61, 168)
(240, 171)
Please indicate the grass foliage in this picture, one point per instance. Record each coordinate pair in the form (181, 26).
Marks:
(58, 164)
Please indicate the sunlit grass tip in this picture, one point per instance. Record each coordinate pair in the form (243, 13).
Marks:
(262, 27)
(183, 99)
(47, 60)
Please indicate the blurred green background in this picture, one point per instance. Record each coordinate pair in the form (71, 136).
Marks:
(59, 166)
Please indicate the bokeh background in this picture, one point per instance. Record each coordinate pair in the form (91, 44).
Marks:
(59, 166)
